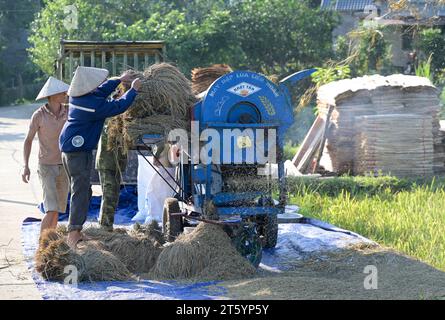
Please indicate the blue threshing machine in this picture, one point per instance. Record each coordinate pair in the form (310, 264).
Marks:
(250, 115)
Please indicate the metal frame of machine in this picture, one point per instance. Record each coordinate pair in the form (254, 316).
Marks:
(235, 102)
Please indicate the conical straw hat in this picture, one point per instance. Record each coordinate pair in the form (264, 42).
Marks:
(85, 80)
(52, 86)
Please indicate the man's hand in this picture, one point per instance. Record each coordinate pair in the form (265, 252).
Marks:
(136, 84)
(26, 174)
(125, 78)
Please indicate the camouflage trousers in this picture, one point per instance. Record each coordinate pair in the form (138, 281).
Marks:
(110, 182)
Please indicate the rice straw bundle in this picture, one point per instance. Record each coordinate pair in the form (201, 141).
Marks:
(206, 253)
(202, 78)
(162, 104)
(115, 125)
(92, 261)
(138, 251)
(107, 256)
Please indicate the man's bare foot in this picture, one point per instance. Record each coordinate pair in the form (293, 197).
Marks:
(73, 238)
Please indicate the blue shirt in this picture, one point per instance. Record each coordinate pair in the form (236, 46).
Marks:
(87, 114)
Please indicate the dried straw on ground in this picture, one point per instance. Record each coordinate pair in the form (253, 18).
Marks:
(205, 254)
(136, 250)
(339, 275)
(107, 256)
(152, 230)
(92, 261)
(202, 78)
(162, 104)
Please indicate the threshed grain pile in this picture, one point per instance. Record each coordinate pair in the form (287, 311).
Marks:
(162, 104)
(202, 78)
(351, 137)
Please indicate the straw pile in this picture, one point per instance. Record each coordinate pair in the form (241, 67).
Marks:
(383, 145)
(202, 78)
(115, 125)
(162, 104)
(92, 261)
(378, 95)
(108, 256)
(206, 253)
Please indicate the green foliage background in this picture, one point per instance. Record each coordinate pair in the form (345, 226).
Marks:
(270, 36)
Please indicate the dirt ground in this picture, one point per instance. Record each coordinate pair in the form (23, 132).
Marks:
(338, 276)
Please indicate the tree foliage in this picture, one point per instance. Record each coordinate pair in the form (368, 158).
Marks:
(366, 50)
(15, 17)
(270, 36)
(431, 42)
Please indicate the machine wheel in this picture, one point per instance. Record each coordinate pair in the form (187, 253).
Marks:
(172, 226)
(248, 244)
(270, 231)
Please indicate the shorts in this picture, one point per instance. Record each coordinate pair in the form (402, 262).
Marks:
(55, 185)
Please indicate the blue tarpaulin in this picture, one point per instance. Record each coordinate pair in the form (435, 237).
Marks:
(294, 241)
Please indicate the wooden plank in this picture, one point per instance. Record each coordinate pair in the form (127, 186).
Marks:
(146, 62)
(323, 139)
(125, 66)
(104, 59)
(92, 59)
(113, 62)
(135, 61)
(71, 65)
(157, 58)
(310, 152)
(82, 58)
(315, 129)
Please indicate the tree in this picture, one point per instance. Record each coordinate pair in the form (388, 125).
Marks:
(431, 42)
(366, 50)
(15, 17)
(271, 36)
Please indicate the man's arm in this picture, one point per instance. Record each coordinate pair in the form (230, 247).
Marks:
(27, 146)
(114, 107)
(107, 88)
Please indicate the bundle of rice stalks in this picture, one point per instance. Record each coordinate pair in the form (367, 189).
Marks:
(101, 265)
(162, 104)
(92, 261)
(206, 253)
(138, 251)
(54, 255)
(115, 125)
(202, 78)
(126, 85)
(152, 230)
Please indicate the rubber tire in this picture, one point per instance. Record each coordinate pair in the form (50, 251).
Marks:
(238, 238)
(270, 231)
(172, 226)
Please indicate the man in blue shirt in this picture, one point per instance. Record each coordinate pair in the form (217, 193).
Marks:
(89, 106)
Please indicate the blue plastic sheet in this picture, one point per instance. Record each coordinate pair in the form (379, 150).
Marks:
(127, 208)
(294, 242)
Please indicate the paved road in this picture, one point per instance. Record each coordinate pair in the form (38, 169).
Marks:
(17, 201)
